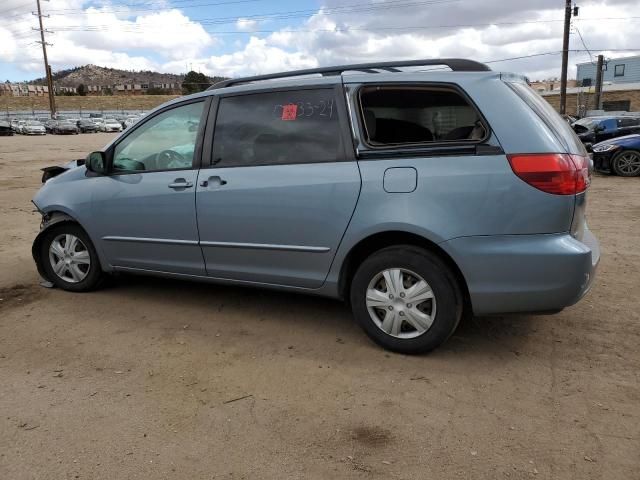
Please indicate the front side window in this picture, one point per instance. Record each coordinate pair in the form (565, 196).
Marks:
(165, 142)
(277, 128)
(398, 115)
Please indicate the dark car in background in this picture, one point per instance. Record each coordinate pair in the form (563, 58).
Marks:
(5, 128)
(49, 124)
(619, 155)
(65, 127)
(86, 126)
(592, 130)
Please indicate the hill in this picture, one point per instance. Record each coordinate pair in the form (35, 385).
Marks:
(96, 75)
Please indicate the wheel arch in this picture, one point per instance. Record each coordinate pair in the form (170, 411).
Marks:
(380, 240)
(619, 154)
(49, 220)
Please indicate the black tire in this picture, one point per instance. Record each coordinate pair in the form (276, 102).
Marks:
(443, 284)
(621, 166)
(94, 273)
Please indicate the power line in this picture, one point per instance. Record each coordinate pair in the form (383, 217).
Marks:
(349, 8)
(584, 44)
(16, 7)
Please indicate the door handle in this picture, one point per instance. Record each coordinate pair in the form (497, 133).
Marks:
(214, 182)
(180, 183)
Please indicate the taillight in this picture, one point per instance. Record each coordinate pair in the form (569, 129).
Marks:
(557, 173)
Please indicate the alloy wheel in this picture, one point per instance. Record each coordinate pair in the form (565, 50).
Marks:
(69, 258)
(628, 163)
(401, 303)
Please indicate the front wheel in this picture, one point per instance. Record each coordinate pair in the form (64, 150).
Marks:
(69, 259)
(626, 163)
(406, 299)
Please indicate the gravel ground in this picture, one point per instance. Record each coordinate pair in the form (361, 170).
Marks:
(150, 378)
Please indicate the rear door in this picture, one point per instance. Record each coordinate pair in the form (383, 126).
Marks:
(277, 187)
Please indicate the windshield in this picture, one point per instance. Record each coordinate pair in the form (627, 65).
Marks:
(585, 122)
(33, 123)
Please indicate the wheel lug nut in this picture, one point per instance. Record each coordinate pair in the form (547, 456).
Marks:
(402, 314)
(402, 295)
(391, 297)
(408, 305)
(390, 308)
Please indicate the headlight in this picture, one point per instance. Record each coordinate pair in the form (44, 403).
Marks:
(605, 148)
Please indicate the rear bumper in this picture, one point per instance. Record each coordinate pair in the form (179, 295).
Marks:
(525, 273)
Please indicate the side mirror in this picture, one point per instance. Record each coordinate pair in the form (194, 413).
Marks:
(96, 163)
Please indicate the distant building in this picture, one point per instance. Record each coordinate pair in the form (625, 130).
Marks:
(550, 85)
(621, 97)
(58, 89)
(616, 70)
(23, 90)
(131, 88)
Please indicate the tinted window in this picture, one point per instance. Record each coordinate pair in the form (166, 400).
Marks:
(277, 128)
(407, 115)
(165, 142)
(628, 122)
(618, 71)
(550, 117)
(616, 105)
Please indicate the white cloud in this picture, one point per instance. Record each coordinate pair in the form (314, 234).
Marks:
(493, 31)
(246, 24)
(105, 36)
(258, 57)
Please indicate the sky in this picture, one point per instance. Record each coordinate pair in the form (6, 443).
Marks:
(244, 37)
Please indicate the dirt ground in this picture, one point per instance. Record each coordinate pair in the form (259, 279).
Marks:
(154, 379)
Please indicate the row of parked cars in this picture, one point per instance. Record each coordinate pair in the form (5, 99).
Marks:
(61, 125)
(614, 142)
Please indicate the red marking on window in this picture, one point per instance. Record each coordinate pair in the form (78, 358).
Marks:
(290, 111)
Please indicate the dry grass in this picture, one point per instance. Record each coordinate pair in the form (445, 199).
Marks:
(137, 102)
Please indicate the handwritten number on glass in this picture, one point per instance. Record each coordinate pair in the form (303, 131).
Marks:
(293, 111)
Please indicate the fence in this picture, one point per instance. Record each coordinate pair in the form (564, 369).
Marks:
(82, 113)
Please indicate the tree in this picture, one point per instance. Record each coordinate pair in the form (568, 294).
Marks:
(82, 90)
(195, 82)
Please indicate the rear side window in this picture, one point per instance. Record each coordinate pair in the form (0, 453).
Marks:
(402, 115)
(560, 127)
(277, 128)
(628, 122)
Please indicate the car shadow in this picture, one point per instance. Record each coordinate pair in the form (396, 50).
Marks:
(322, 316)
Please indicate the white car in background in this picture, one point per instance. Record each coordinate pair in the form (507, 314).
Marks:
(110, 125)
(32, 127)
(131, 121)
(19, 125)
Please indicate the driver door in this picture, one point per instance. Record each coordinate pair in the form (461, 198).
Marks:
(145, 208)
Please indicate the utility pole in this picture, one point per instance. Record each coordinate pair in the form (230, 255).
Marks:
(47, 67)
(565, 57)
(599, 73)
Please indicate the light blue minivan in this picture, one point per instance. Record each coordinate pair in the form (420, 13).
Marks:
(416, 196)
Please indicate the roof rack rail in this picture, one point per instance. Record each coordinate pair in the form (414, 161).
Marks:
(455, 64)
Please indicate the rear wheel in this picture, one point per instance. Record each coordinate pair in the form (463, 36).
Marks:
(406, 299)
(626, 163)
(69, 258)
